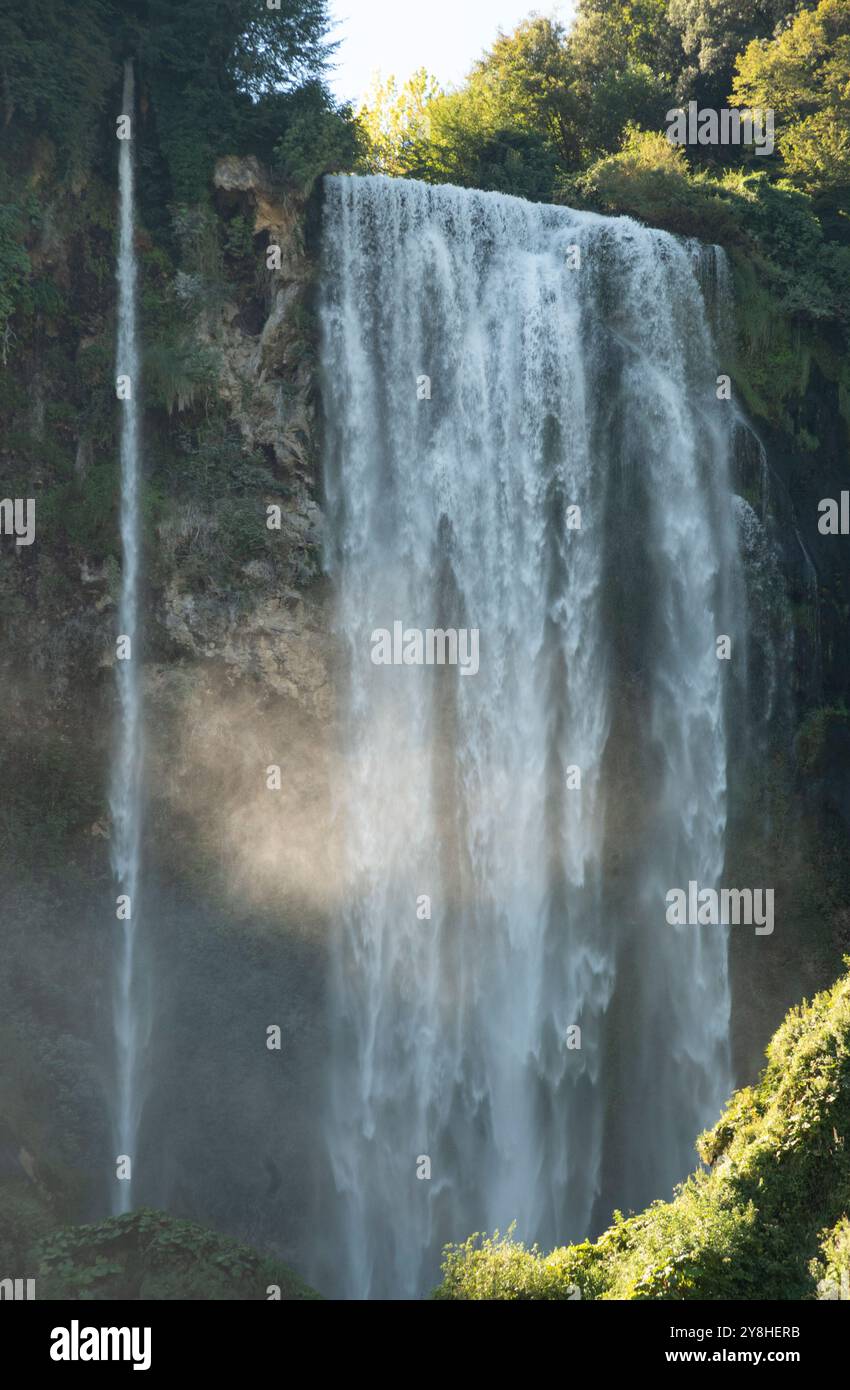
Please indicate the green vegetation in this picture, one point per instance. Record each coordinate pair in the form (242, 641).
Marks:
(832, 1268)
(767, 1220)
(56, 70)
(51, 797)
(579, 92)
(396, 123)
(803, 75)
(219, 74)
(149, 1255)
(14, 269)
(712, 33)
(317, 138)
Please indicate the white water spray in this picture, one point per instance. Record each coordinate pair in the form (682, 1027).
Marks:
(556, 380)
(125, 793)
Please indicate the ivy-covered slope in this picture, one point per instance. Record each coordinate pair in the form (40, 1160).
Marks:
(766, 1219)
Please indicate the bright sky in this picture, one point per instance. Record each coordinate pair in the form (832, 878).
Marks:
(444, 36)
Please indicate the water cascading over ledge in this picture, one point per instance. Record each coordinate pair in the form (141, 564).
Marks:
(572, 362)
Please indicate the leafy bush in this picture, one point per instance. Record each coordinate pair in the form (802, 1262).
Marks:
(650, 179)
(832, 1268)
(24, 1217)
(499, 1267)
(319, 138)
(767, 1220)
(149, 1255)
(773, 225)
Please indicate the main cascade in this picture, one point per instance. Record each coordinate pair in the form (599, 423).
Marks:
(489, 366)
(125, 793)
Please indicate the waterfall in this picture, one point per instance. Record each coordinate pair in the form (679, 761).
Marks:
(125, 793)
(490, 365)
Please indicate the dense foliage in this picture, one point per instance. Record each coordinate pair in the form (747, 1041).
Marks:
(149, 1255)
(618, 67)
(804, 75)
(767, 1219)
(214, 77)
(216, 72)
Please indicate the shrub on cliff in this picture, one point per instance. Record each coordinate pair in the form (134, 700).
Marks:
(768, 1219)
(149, 1255)
(772, 226)
(318, 138)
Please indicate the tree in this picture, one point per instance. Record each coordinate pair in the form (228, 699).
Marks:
(212, 66)
(534, 104)
(519, 162)
(527, 80)
(208, 66)
(804, 76)
(714, 32)
(233, 43)
(318, 138)
(56, 72)
(610, 37)
(576, 91)
(396, 122)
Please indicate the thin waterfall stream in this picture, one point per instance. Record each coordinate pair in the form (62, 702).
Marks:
(125, 791)
(524, 440)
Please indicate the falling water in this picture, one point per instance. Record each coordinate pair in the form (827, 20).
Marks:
(572, 363)
(125, 795)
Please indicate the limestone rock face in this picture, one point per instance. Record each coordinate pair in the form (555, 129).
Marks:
(272, 628)
(245, 174)
(270, 369)
(240, 675)
(280, 641)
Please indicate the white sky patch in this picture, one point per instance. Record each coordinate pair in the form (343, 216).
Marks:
(444, 36)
